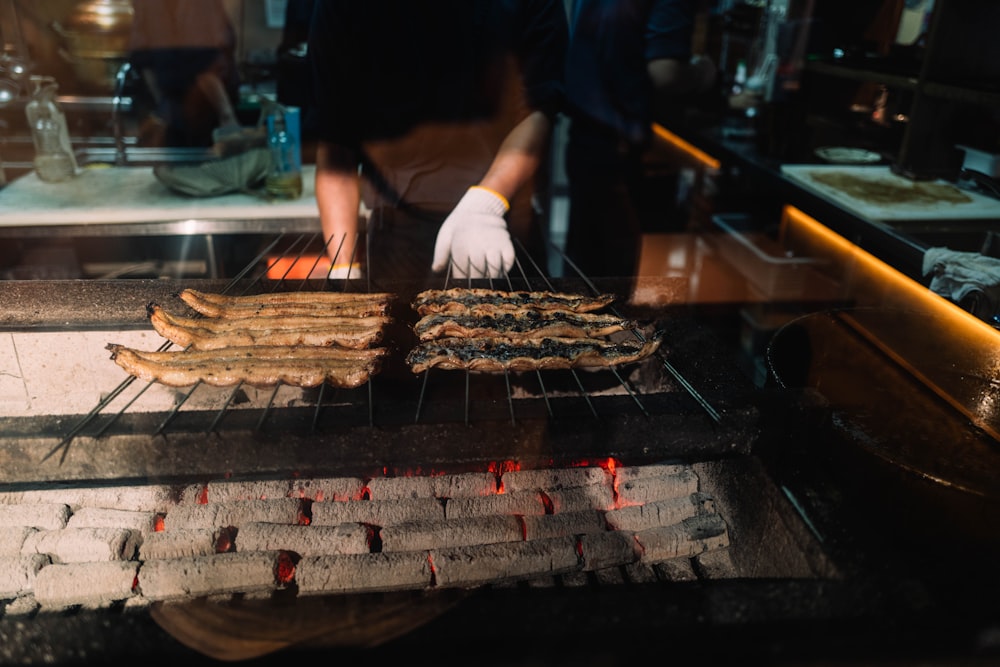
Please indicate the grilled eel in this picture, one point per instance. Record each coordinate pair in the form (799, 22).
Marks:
(296, 297)
(521, 324)
(259, 366)
(217, 305)
(472, 300)
(210, 334)
(495, 353)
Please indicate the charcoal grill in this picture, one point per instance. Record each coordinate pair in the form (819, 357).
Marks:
(790, 586)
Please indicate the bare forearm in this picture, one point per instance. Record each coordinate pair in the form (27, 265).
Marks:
(519, 156)
(338, 199)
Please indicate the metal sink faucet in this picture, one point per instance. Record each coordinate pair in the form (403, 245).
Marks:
(121, 76)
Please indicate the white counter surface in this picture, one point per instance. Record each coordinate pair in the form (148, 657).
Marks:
(922, 205)
(120, 195)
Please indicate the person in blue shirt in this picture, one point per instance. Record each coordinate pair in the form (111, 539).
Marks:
(626, 59)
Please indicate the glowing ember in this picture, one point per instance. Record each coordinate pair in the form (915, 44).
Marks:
(284, 570)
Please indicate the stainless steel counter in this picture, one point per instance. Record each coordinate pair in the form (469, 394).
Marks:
(129, 201)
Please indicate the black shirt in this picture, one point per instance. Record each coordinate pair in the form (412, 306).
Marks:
(427, 90)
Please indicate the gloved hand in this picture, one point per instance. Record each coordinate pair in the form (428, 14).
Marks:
(475, 237)
(353, 271)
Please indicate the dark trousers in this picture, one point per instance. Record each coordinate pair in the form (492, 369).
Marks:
(605, 185)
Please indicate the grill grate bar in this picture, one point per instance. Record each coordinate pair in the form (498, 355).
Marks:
(525, 267)
(638, 334)
(221, 412)
(259, 426)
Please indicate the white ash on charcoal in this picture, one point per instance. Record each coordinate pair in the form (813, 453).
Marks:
(363, 573)
(81, 545)
(347, 538)
(224, 491)
(181, 578)
(12, 540)
(608, 549)
(151, 498)
(143, 523)
(91, 585)
(542, 582)
(179, 543)
(581, 498)
(660, 513)
(675, 569)
(233, 513)
(26, 605)
(640, 573)
(488, 563)
(716, 564)
(688, 538)
(18, 574)
(465, 485)
(425, 535)
(575, 579)
(328, 489)
(560, 525)
(520, 503)
(610, 576)
(376, 512)
(554, 480)
(626, 474)
(644, 490)
(44, 516)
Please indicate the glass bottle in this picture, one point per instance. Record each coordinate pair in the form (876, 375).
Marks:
(54, 160)
(284, 180)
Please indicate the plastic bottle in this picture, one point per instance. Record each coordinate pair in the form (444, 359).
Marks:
(284, 181)
(54, 160)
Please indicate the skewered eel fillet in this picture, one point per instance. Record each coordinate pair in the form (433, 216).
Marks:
(343, 304)
(298, 366)
(207, 334)
(474, 300)
(521, 324)
(497, 353)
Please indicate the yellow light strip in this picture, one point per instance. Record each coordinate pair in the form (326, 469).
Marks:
(877, 284)
(677, 142)
(894, 284)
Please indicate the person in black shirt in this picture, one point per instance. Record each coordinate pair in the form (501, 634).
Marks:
(447, 107)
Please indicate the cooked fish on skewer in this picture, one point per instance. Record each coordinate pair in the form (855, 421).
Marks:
(468, 300)
(495, 354)
(521, 324)
(210, 305)
(255, 366)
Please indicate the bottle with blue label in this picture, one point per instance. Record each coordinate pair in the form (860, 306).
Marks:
(284, 180)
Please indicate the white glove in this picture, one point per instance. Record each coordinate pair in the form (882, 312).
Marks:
(475, 237)
(342, 271)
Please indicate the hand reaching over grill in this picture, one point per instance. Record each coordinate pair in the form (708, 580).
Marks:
(474, 237)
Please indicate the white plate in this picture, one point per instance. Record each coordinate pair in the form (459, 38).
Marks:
(845, 155)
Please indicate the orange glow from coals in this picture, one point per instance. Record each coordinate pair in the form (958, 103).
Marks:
(691, 150)
(203, 496)
(297, 268)
(224, 543)
(159, 525)
(284, 569)
(305, 512)
(547, 502)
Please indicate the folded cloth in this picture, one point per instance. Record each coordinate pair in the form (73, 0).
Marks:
(239, 173)
(969, 279)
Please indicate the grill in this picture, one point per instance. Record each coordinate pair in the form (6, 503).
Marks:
(211, 465)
